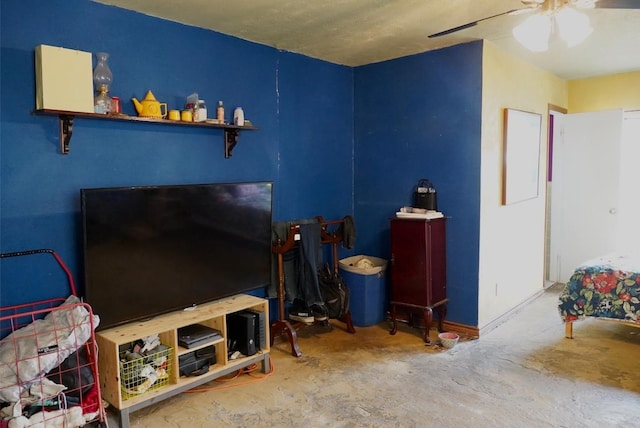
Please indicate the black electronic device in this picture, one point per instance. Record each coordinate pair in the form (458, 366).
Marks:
(155, 249)
(195, 335)
(241, 332)
(197, 362)
(261, 329)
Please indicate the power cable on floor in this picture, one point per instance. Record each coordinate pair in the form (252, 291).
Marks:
(248, 370)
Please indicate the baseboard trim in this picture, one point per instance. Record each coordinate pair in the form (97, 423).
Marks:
(472, 331)
(418, 322)
(510, 313)
(466, 330)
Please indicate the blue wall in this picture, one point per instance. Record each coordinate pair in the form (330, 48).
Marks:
(302, 106)
(334, 140)
(419, 117)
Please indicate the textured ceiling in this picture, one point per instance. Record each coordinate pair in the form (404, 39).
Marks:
(358, 32)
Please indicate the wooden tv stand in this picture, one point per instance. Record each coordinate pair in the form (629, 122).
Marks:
(166, 326)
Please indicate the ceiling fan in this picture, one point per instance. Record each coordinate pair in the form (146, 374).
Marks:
(545, 6)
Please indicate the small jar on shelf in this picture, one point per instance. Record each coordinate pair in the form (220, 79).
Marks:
(200, 112)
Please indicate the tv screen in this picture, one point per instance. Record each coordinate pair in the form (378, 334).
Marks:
(154, 249)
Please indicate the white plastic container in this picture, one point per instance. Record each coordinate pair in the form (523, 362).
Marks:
(238, 116)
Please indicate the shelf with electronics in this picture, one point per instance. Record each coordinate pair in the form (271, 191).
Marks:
(114, 373)
(66, 121)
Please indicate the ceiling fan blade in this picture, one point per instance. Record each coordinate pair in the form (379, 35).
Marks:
(474, 23)
(453, 30)
(618, 4)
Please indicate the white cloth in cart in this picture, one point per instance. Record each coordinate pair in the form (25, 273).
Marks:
(29, 353)
(64, 418)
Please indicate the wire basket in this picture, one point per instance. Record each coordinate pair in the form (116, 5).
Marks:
(47, 344)
(144, 373)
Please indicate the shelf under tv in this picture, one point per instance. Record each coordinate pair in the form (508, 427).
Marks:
(213, 314)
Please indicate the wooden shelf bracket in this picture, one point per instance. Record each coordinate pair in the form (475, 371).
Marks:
(65, 125)
(230, 140)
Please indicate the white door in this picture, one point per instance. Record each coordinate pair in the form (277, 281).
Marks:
(629, 205)
(586, 174)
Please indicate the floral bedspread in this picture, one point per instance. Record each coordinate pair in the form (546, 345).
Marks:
(606, 287)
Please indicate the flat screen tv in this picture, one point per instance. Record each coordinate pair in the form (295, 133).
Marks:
(155, 249)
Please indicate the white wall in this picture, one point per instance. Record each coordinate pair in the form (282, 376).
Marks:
(511, 237)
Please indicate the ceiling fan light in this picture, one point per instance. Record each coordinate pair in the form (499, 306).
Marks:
(533, 33)
(573, 27)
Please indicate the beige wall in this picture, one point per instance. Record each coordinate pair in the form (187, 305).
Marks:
(511, 237)
(605, 93)
(511, 265)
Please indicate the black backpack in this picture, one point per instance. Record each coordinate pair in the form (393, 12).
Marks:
(335, 292)
(75, 372)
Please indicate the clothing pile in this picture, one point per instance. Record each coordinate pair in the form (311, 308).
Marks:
(303, 266)
(35, 386)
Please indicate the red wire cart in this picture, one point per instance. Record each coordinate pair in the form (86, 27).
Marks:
(49, 361)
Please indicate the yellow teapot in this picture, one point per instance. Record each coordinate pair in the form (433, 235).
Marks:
(150, 107)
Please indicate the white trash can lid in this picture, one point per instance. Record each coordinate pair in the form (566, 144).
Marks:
(364, 265)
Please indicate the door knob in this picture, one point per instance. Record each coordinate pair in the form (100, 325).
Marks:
(612, 211)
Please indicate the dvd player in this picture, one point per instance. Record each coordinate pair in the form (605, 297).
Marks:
(195, 335)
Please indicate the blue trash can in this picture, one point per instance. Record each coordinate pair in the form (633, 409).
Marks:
(364, 275)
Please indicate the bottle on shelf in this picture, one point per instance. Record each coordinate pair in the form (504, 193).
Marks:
(238, 116)
(220, 112)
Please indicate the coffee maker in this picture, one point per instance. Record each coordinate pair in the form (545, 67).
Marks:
(425, 196)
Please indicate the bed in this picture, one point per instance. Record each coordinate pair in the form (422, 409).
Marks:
(606, 287)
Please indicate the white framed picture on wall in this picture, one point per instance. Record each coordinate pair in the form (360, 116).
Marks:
(521, 155)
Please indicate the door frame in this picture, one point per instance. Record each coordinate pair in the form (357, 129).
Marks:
(551, 110)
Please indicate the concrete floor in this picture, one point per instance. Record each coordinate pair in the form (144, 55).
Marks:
(524, 373)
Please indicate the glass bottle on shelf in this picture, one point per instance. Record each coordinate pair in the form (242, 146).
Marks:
(220, 112)
(102, 78)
